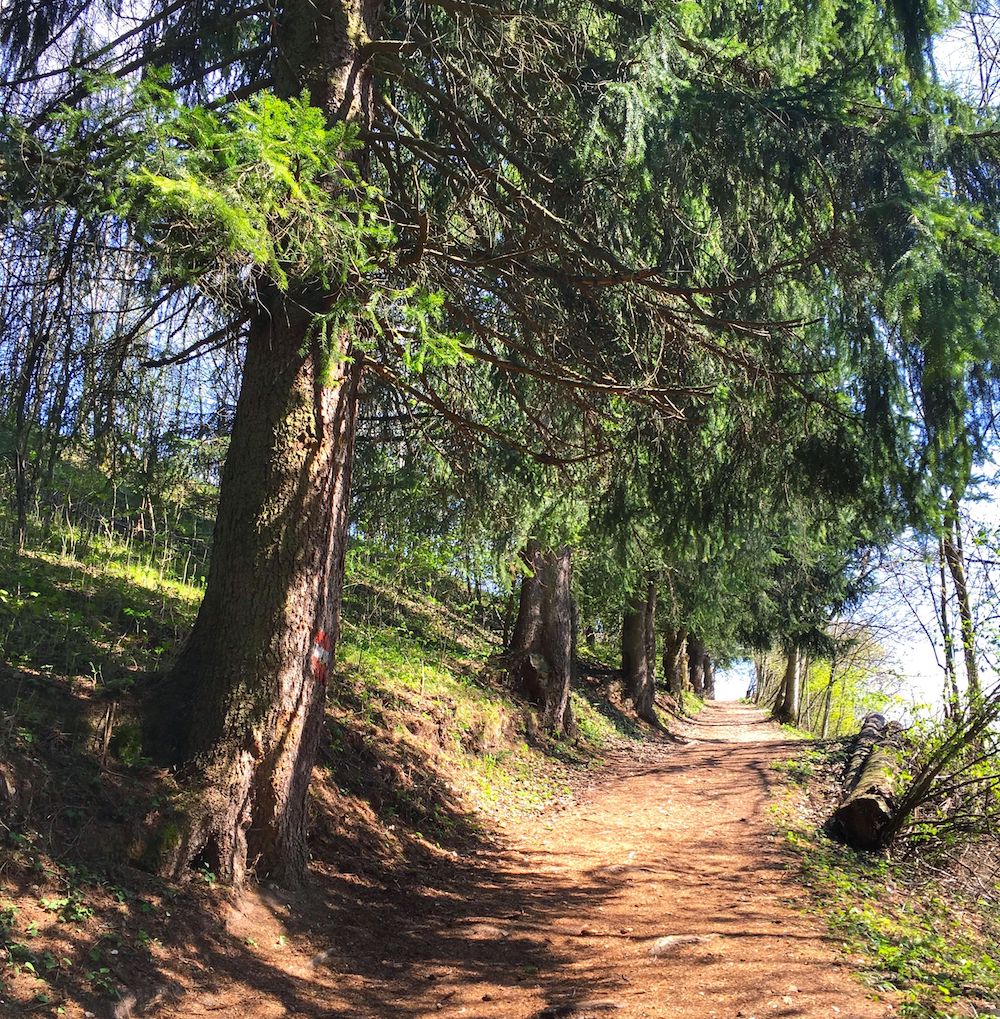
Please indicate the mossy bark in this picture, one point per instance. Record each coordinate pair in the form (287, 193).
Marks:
(242, 712)
(865, 818)
(249, 688)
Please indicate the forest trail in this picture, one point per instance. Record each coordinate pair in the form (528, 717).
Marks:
(565, 921)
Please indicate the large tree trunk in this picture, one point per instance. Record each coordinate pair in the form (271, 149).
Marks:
(696, 665)
(541, 658)
(787, 708)
(673, 653)
(250, 686)
(248, 691)
(639, 652)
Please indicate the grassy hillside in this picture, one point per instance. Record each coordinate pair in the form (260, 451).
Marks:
(427, 753)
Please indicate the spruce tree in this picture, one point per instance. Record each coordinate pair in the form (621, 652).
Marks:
(459, 200)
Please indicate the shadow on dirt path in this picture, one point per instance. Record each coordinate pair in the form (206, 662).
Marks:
(566, 918)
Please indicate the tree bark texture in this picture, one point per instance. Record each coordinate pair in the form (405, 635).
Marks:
(541, 659)
(787, 707)
(673, 654)
(249, 688)
(865, 816)
(639, 652)
(696, 665)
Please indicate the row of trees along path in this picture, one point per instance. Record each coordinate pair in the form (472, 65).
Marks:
(604, 232)
(663, 892)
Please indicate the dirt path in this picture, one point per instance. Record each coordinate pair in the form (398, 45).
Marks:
(567, 921)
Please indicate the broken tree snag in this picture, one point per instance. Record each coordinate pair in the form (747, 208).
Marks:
(542, 654)
(864, 818)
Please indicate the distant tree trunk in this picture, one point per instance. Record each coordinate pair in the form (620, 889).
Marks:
(590, 636)
(54, 420)
(787, 708)
(696, 665)
(956, 564)
(828, 699)
(673, 653)
(770, 691)
(639, 651)
(952, 701)
(805, 704)
(510, 617)
(759, 678)
(22, 433)
(708, 671)
(651, 632)
(541, 658)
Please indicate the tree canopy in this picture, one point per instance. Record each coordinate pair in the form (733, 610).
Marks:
(704, 294)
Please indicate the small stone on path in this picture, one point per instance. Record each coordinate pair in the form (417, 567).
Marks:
(664, 945)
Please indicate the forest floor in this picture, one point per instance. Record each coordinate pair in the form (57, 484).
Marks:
(662, 890)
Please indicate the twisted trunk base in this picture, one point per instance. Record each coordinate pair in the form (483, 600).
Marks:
(241, 714)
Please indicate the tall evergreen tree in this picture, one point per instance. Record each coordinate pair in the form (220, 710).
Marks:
(562, 198)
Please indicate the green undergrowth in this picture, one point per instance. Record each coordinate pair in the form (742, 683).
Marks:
(802, 766)
(98, 616)
(427, 753)
(691, 703)
(795, 732)
(456, 751)
(930, 943)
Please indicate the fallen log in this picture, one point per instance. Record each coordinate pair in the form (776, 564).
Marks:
(871, 732)
(864, 818)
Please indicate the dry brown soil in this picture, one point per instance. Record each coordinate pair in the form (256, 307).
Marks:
(565, 918)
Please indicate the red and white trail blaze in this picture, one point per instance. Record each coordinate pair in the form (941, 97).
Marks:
(320, 657)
